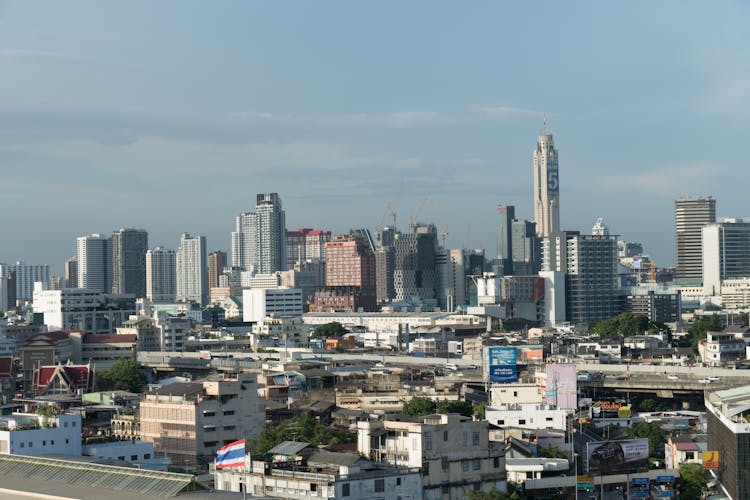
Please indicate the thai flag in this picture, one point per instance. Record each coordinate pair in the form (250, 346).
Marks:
(231, 455)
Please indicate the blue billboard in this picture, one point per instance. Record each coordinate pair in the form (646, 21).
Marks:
(503, 364)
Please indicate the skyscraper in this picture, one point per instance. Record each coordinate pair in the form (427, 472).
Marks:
(217, 261)
(414, 272)
(243, 241)
(94, 255)
(161, 270)
(726, 253)
(305, 244)
(129, 248)
(71, 273)
(546, 187)
(690, 215)
(350, 262)
(22, 277)
(270, 234)
(192, 275)
(384, 261)
(505, 239)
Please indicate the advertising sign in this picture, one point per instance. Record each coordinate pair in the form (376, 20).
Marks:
(617, 456)
(710, 459)
(640, 480)
(640, 494)
(503, 364)
(585, 483)
(562, 388)
(665, 479)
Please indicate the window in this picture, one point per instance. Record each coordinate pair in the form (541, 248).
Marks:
(121, 458)
(72, 424)
(476, 486)
(133, 457)
(31, 444)
(496, 462)
(147, 456)
(345, 492)
(475, 439)
(22, 444)
(501, 422)
(445, 435)
(428, 440)
(379, 485)
(522, 421)
(398, 481)
(67, 441)
(44, 443)
(209, 413)
(476, 464)
(52, 442)
(229, 427)
(444, 463)
(65, 424)
(446, 489)
(465, 439)
(313, 487)
(465, 465)
(229, 412)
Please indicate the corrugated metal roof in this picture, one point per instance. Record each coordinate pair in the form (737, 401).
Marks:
(136, 481)
(288, 448)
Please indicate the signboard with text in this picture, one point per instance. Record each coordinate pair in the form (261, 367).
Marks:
(502, 364)
(710, 459)
(617, 456)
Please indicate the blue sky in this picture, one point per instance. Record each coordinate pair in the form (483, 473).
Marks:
(171, 115)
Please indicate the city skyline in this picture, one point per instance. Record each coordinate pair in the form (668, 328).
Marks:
(342, 121)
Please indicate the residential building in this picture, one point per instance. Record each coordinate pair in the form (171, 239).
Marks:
(243, 241)
(527, 416)
(719, 348)
(191, 270)
(546, 187)
(129, 248)
(280, 331)
(25, 276)
(690, 216)
(94, 256)
(350, 262)
(299, 471)
(681, 450)
(270, 244)
(385, 258)
(453, 452)
(725, 252)
(190, 421)
(259, 303)
(161, 275)
(71, 273)
(4, 304)
(527, 248)
(414, 272)
(451, 270)
(305, 244)
(32, 434)
(217, 261)
(658, 306)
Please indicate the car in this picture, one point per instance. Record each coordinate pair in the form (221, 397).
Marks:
(704, 381)
(451, 366)
(714, 378)
(672, 376)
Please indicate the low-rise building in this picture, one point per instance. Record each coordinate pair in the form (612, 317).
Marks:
(80, 308)
(527, 416)
(259, 303)
(728, 415)
(33, 434)
(453, 452)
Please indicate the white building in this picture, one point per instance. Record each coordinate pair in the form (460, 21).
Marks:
(725, 253)
(259, 303)
(527, 416)
(453, 452)
(80, 308)
(278, 331)
(161, 278)
(192, 269)
(25, 275)
(380, 340)
(31, 434)
(140, 453)
(515, 393)
(554, 297)
(243, 241)
(546, 187)
(94, 256)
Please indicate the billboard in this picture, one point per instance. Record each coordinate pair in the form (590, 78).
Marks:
(562, 387)
(617, 456)
(502, 364)
(710, 459)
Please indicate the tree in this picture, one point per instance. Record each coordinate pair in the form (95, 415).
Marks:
(419, 406)
(651, 431)
(302, 428)
(480, 411)
(463, 407)
(330, 330)
(123, 376)
(493, 494)
(694, 481)
(697, 331)
(627, 324)
(552, 452)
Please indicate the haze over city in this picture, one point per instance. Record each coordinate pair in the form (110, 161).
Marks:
(171, 116)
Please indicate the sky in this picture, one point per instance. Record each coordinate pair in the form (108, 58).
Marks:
(170, 116)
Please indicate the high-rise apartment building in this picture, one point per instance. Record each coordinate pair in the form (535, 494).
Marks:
(725, 252)
(129, 248)
(24, 276)
(546, 186)
(527, 248)
(690, 215)
(192, 272)
(385, 257)
(451, 269)
(350, 261)
(305, 244)
(217, 261)
(505, 239)
(94, 256)
(414, 272)
(71, 273)
(589, 266)
(270, 242)
(161, 274)
(243, 241)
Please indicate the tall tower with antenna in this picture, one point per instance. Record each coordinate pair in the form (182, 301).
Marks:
(546, 185)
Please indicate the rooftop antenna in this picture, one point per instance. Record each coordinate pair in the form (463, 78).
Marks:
(545, 123)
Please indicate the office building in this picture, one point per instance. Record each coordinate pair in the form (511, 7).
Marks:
(217, 261)
(451, 269)
(729, 437)
(243, 241)
(24, 276)
(192, 275)
(527, 248)
(505, 259)
(161, 275)
(589, 265)
(350, 262)
(546, 187)
(129, 248)
(270, 244)
(414, 272)
(94, 256)
(4, 306)
(259, 303)
(690, 215)
(305, 244)
(83, 309)
(385, 258)
(725, 253)
(71, 273)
